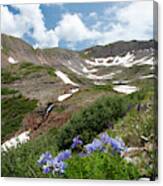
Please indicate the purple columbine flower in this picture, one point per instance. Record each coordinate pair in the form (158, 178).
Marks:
(44, 158)
(64, 155)
(59, 166)
(104, 137)
(76, 142)
(118, 145)
(95, 145)
(46, 169)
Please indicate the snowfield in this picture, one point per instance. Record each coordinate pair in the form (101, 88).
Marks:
(11, 60)
(15, 141)
(68, 95)
(65, 78)
(125, 89)
(126, 61)
(104, 77)
(147, 76)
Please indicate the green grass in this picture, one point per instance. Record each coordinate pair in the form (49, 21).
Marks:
(22, 70)
(7, 91)
(22, 162)
(99, 165)
(5, 50)
(29, 68)
(8, 77)
(107, 87)
(13, 111)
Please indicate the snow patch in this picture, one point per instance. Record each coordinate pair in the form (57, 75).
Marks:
(85, 70)
(99, 83)
(146, 61)
(118, 82)
(74, 90)
(126, 89)
(11, 60)
(65, 78)
(104, 77)
(147, 76)
(126, 61)
(15, 141)
(68, 95)
(63, 97)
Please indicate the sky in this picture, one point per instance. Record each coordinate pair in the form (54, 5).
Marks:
(78, 26)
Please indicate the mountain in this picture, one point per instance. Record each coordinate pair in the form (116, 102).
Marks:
(50, 96)
(55, 74)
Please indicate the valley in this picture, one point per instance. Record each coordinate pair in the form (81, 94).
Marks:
(49, 96)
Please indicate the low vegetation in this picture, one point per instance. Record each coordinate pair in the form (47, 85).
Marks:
(101, 166)
(22, 70)
(13, 111)
(129, 117)
(92, 120)
(7, 91)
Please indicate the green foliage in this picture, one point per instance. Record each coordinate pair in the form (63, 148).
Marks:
(92, 120)
(13, 111)
(7, 91)
(130, 126)
(22, 162)
(22, 70)
(101, 166)
(5, 50)
(8, 77)
(134, 125)
(108, 87)
(27, 68)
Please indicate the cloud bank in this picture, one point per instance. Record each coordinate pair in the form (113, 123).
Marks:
(131, 21)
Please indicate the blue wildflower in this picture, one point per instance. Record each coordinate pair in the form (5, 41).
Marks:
(64, 155)
(117, 144)
(44, 158)
(46, 169)
(105, 138)
(76, 142)
(95, 145)
(58, 166)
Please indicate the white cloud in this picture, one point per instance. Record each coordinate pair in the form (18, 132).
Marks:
(134, 21)
(72, 29)
(11, 24)
(122, 22)
(29, 18)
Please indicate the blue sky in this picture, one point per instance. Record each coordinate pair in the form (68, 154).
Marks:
(78, 25)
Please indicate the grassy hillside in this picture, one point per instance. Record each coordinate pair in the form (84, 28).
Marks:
(128, 124)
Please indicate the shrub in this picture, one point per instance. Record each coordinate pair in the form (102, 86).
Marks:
(92, 120)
